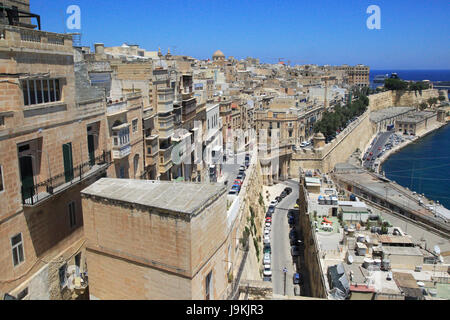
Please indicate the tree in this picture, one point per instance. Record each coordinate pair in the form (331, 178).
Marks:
(432, 101)
(441, 98)
(395, 84)
(423, 106)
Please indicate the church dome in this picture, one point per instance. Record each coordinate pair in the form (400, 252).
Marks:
(218, 54)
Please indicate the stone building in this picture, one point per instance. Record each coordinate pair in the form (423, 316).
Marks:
(416, 123)
(277, 131)
(53, 144)
(157, 240)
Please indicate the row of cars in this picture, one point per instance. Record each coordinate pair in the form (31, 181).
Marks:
(237, 184)
(267, 229)
(295, 244)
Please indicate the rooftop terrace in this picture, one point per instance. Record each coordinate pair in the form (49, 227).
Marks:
(182, 197)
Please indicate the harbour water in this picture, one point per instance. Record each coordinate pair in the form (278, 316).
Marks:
(416, 75)
(424, 166)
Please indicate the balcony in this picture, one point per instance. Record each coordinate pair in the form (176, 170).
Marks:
(165, 156)
(121, 146)
(165, 107)
(116, 108)
(165, 95)
(57, 184)
(166, 127)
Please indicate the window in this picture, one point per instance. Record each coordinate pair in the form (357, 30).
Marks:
(135, 125)
(208, 286)
(1, 179)
(40, 91)
(63, 275)
(2, 120)
(17, 249)
(72, 217)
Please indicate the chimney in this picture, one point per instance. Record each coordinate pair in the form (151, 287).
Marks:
(99, 48)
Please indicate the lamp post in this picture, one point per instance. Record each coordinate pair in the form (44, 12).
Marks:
(284, 272)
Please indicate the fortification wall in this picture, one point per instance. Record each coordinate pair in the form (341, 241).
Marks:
(357, 135)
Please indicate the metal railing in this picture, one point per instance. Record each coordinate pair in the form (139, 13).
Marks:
(41, 191)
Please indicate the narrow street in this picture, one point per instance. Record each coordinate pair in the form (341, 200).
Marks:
(281, 249)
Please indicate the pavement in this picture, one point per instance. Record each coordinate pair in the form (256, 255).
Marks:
(281, 249)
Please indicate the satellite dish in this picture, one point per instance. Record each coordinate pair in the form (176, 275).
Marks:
(437, 250)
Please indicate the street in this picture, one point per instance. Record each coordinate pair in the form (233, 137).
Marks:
(281, 249)
(380, 141)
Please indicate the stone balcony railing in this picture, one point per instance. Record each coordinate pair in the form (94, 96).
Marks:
(28, 39)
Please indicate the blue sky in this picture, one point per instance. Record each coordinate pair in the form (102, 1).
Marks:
(414, 34)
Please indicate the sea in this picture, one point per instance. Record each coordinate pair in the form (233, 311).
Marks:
(416, 75)
(424, 165)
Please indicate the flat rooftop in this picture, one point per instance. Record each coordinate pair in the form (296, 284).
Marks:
(184, 197)
(388, 113)
(404, 251)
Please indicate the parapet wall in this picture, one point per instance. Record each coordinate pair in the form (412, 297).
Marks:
(357, 135)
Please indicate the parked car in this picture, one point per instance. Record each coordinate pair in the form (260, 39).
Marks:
(267, 248)
(268, 214)
(241, 176)
(266, 258)
(236, 187)
(296, 278)
(288, 190)
(271, 209)
(273, 203)
(268, 219)
(279, 199)
(242, 169)
(267, 271)
(295, 251)
(266, 231)
(233, 192)
(239, 182)
(291, 221)
(290, 213)
(283, 194)
(295, 242)
(292, 234)
(267, 239)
